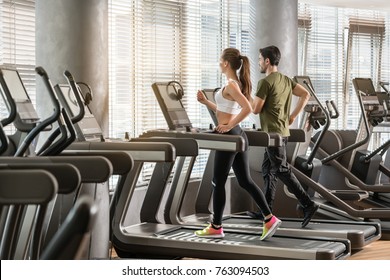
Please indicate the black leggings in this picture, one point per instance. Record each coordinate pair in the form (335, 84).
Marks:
(240, 163)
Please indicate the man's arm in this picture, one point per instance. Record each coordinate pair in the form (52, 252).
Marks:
(257, 104)
(304, 96)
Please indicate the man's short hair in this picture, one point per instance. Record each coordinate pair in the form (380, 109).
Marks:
(272, 53)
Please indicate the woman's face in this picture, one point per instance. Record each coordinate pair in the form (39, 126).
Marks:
(223, 64)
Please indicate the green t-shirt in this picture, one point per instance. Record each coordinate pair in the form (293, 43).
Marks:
(276, 90)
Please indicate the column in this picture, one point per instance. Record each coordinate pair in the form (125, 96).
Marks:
(73, 35)
(275, 23)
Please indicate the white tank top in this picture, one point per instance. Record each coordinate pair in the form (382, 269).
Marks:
(226, 105)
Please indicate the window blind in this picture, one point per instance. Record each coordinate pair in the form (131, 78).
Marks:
(17, 42)
(163, 40)
(366, 32)
(342, 44)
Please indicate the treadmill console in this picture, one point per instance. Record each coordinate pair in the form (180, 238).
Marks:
(171, 106)
(27, 117)
(88, 128)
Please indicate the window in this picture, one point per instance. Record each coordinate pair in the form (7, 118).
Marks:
(364, 55)
(337, 45)
(163, 40)
(17, 42)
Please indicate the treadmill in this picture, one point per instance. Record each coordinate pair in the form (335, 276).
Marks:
(28, 127)
(164, 240)
(91, 141)
(359, 234)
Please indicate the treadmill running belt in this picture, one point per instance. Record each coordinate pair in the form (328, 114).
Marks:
(179, 241)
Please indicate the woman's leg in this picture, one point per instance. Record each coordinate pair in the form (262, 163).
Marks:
(241, 169)
(222, 163)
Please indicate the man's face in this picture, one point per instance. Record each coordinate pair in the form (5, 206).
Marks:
(262, 64)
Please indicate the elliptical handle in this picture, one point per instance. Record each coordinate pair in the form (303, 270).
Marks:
(332, 108)
(326, 127)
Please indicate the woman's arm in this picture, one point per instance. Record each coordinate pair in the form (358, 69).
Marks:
(202, 99)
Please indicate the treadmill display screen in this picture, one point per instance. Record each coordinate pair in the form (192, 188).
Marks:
(365, 85)
(172, 107)
(168, 93)
(88, 125)
(15, 85)
(70, 100)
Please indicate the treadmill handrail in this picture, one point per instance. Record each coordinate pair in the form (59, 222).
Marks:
(52, 148)
(121, 162)
(183, 146)
(67, 176)
(64, 125)
(12, 182)
(257, 138)
(42, 125)
(138, 151)
(3, 139)
(100, 172)
(77, 94)
(72, 133)
(237, 140)
(17, 192)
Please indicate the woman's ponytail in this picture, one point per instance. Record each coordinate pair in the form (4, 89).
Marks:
(245, 77)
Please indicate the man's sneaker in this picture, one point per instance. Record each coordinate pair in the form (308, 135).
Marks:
(270, 228)
(308, 213)
(210, 232)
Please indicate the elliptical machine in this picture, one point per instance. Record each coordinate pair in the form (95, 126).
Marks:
(348, 162)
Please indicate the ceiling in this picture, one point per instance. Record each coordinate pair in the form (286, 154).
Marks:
(379, 5)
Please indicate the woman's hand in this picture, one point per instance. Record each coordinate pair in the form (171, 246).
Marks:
(223, 128)
(201, 97)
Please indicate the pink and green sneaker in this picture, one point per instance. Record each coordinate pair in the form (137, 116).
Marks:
(270, 228)
(210, 232)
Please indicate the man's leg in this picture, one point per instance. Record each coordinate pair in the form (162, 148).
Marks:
(269, 176)
(278, 159)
